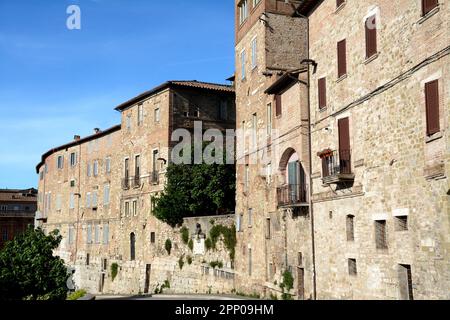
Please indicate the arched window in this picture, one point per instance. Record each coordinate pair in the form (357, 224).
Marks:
(132, 247)
(294, 190)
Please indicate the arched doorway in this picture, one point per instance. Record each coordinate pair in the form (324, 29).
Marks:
(132, 247)
(294, 190)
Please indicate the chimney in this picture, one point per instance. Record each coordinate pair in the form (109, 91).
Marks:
(97, 130)
(76, 137)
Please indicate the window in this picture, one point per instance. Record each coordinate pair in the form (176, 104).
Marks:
(88, 169)
(405, 282)
(250, 261)
(243, 11)
(239, 222)
(243, 64)
(88, 259)
(250, 218)
(269, 173)
(106, 234)
(137, 166)
(71, 235)
(152, 237)
(254, 130)
(371, 36)
(246, 178)
(94, 200)
(73, 159)
(106, 195)
(41, 175)
(342, 58)
(432, 107)
(223, 110)
(95, 168)
(72, 183)
(58, 202)
(128, 122)
(269, 120)
(3, 208)
(140, 114)
(380, 234)
(339, 3)
(350, 228)
(97, 234)
(135, 208)
(72, 201)
(108, 165)
(60, 162)
(278, 105)
(5, 234)
(268, 229)
(127, 169)
(132, 247)
(401, 223)
(89, 234)
(352, 269)
(256, 2)
(127, 209)
(157, 115)
(88, 200)
(428, 5)
(322, 85)
(254, 53)
(300, 259)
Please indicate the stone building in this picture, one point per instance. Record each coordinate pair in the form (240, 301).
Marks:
(17, 210)
(373, 103)
(98, 192)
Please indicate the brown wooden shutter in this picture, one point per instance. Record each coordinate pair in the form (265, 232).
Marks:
(322, 84)
(344, 146)
(432, 106)
(278, 109)
(371, 36)
(342, 58)
(339, 2)
(428, 5)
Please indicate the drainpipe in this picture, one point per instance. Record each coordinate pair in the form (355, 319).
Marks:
(311, 210)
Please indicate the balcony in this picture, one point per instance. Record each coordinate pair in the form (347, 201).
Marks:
(136, 182)
(126, 183)
(41, 217)
(337, 166)
(154, 177)
(293, 195)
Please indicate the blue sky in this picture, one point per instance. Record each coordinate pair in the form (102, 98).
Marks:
(56, 82)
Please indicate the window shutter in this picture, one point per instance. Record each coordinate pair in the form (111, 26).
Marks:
(278, 105)
(322, 93)
(342, 58)
(371, 36)
(432, 106)
(428, 5)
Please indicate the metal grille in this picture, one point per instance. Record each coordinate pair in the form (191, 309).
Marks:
(380, 234)
(352, 269)
(402, 223)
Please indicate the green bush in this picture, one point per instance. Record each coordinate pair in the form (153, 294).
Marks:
(216, 264)
(189, 260)
(191, 245)
(208, 244)
(181, 262)
(77, 295)
(229, 238)
(114, 271)
(185, 235)
(168, 246)
(287, 285)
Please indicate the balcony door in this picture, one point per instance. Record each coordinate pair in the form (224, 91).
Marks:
(344, 146)
(296, 180)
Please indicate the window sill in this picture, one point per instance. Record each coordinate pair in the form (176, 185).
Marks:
(338, 9)
(429, 15)
(323, 110)
(434, 137)
(342, 78)
(370, 59)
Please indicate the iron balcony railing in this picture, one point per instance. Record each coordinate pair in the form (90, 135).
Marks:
(337, 163)
(292, 195)
(126, 183)
(154, 177)
(136, 181)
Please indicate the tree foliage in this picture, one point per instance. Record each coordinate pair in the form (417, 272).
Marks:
(28, 269)
(196, 190)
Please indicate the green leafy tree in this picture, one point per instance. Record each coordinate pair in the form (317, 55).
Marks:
(196, 190)
(28, 269)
